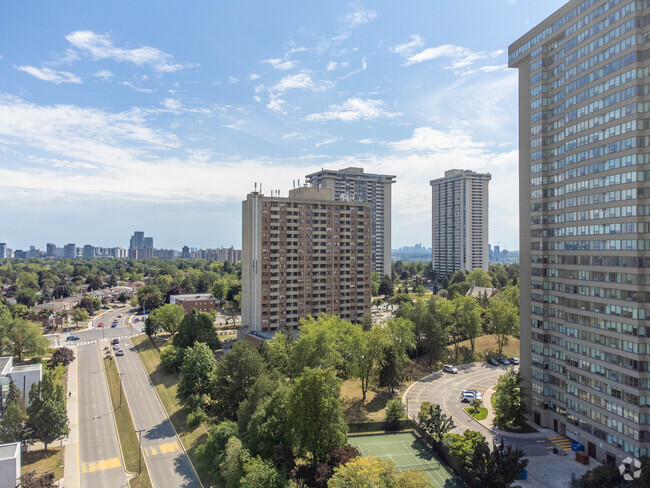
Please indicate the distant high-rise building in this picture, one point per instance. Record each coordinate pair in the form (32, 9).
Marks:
(69, 250)
(352, 184)
(118, 252)
(304, 255)
(460, 221)
(20, 254)
(584, 200)
(3, 250)
(148, 242)
(50, 249)
(88, 251)
(137, 240)
(185, 254)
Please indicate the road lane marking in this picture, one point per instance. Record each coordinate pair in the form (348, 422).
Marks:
(164, 448)
(100, 465)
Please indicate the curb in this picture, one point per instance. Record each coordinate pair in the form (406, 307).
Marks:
(117, 431)
(170, 420)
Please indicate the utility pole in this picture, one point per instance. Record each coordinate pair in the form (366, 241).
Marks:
(120, 375)
(140, 452)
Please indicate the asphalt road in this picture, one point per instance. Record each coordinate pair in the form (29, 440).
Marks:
(444, 389)
(94, 334)
(167, 462)
(99, 452)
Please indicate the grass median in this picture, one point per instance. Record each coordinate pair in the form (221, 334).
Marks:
(126, 430)
(166, 386)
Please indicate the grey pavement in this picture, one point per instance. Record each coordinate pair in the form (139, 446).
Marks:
(100, 457)
(71, 469)
(545, 469)
(167, 462)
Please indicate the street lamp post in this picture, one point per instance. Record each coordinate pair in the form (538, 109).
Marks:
(140, 452)
(120, 375)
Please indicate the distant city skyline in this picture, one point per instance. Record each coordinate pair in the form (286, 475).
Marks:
(107, 126)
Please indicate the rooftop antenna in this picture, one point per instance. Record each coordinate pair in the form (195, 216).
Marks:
(255, 187)
(294, 184)
(298, 182)
(260, 187)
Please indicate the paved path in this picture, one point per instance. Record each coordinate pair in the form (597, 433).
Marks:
(99, 450)
(71, 461)
(167, 462)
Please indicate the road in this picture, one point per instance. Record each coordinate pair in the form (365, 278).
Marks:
(168, 464)
(99, 453)
(94, 334)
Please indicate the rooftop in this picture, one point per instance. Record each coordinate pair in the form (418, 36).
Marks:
(8, 451)
(5, 363)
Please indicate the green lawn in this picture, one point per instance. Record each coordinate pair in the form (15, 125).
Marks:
(50, 461)
(481, 415)
(166, 386)
(125, 428)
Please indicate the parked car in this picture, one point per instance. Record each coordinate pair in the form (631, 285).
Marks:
(113, 325)
(116, 347)
(72, 338)
(120, 352)
(449, 368)
(514, 360)
(115, 341)
(137, 319)
(504, 361)
(467, 396)
(101, 324)
(492, 362)
(106, 307)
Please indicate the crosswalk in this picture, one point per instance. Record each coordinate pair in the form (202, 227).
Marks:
(161, 449)
(64, 343)
(561, 442)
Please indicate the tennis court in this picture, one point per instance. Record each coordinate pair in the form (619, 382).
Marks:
(408, 452)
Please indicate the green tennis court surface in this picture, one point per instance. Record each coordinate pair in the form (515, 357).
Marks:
(408, 452)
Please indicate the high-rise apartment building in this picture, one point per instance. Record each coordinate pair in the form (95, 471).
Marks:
(352, 184)
(69, 251)
(460, 221)
(305, 254)
(585, 223)
(88, 251)
(148, 242)
(3, 250)
(50, 249)
(137, 240)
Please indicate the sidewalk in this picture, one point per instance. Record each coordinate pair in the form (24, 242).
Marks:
(71, 464)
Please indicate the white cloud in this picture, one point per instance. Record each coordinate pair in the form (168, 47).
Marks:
(173, 105)
(301, 80)
(333, 65)
(275, 104)
(426, 139)
(104, 74)
(357, 16)
(100, 46)
(136, 88)
(354, 109)
(47, 74)
(408, 47)
(253, 76)
(281, 65)
(327, 142)
(461, 57)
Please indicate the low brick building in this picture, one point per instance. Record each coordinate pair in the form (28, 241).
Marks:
(201, 302)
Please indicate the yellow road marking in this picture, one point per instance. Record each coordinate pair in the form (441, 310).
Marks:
(100, 465)
(153, 451)
(169, 447)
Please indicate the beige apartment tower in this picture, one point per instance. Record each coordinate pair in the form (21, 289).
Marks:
(585, 224)
(460, 221)
(304, 255)
(353, 185)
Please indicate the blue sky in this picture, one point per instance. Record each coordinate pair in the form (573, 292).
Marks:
(160, 116)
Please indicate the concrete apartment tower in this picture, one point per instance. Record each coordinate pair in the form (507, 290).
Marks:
(460, 221)
(585, 225)
(352, 184)
(305, 254)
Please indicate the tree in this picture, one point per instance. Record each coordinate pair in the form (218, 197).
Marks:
(123, 297)
(26, 337)
(236, 374)
(231, 310)
(79, 315)
(220, 290)
(277, 352)
(171, 358)
(197, 374)
(507, 463)
(604, 476)
(150, 297)
(386, 286)
(167, 318)
(316, 414)
(376, 472)
(395, 411)
(31, 480)
(480, 278)
(468, 318)
(390, 372)
(26, 296)
(232, 466)
(12, 428)
(366, 350)
(63, 356)
(196, 327)
(212, 451)
(434, 422)
(87, 304)
(47, 418)
(504, 321)
(258, 473)
(366, 321)
(463, 446)
(508, 405)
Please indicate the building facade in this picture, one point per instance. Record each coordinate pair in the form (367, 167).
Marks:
(585, 230)
(69, 250)
(201, 302)
(137, 240)
(460, 221)
(3, 250)
(352, 184)
(305, 254)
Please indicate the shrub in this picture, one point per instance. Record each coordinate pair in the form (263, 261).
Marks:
(196, 417)
(171, 359)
